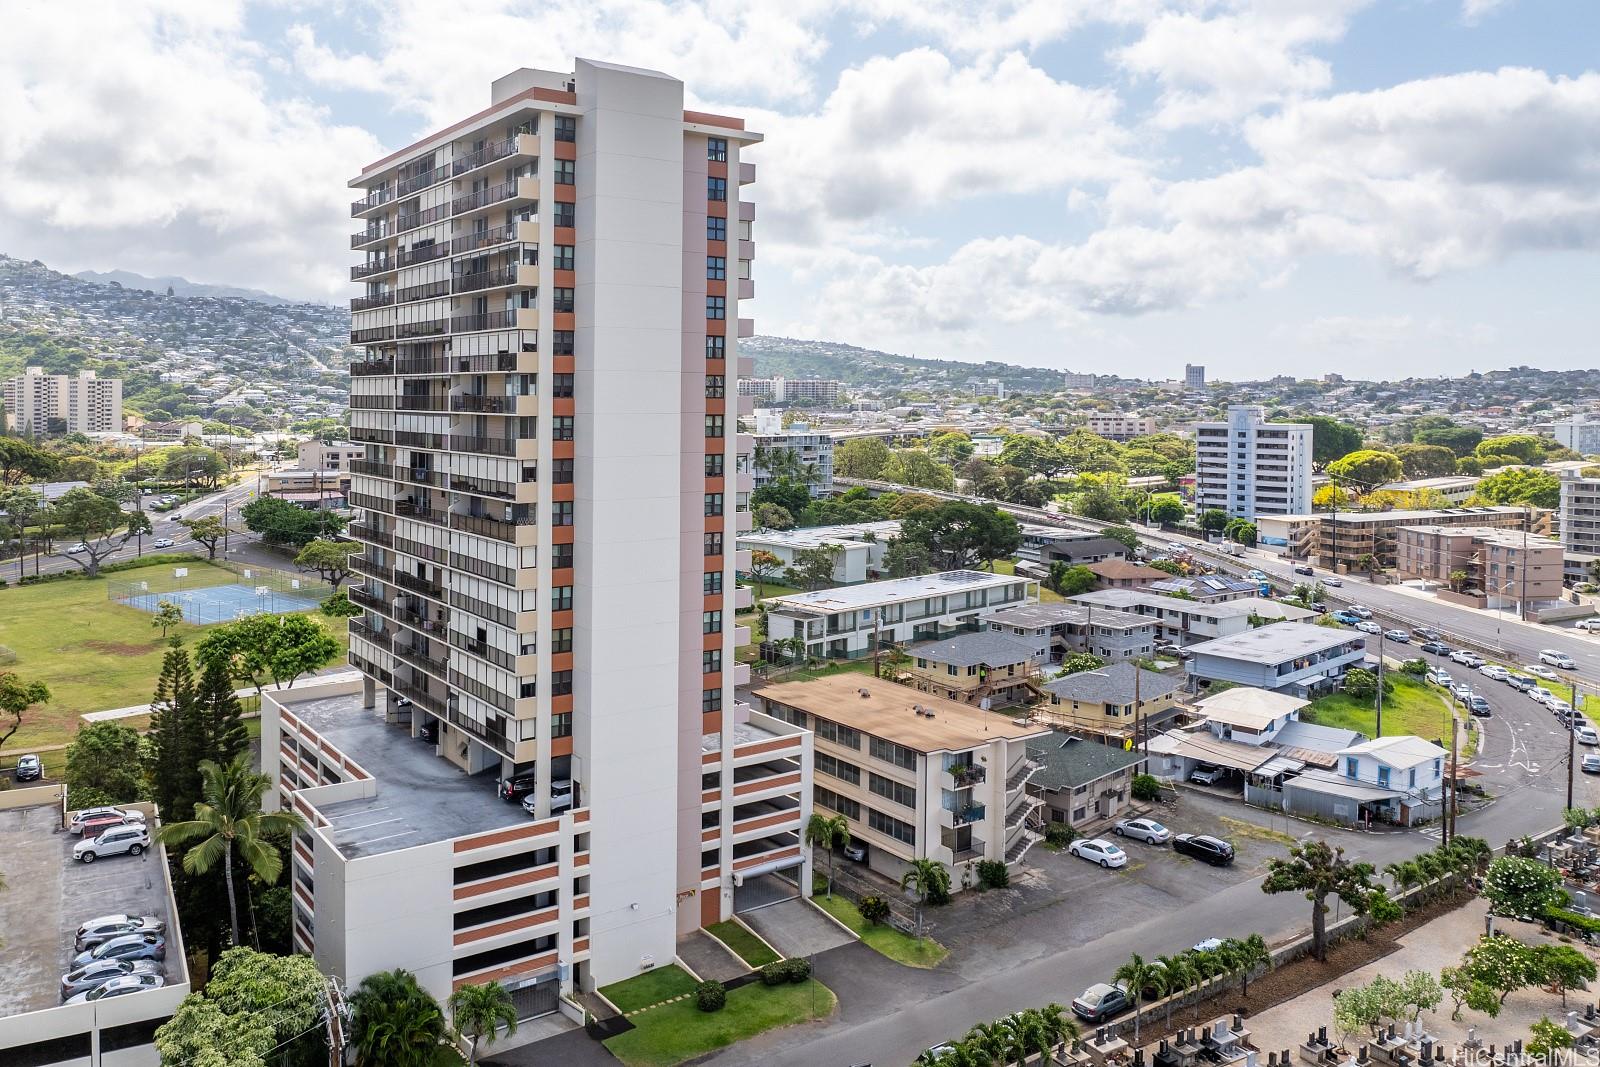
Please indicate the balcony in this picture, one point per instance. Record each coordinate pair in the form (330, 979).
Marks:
(524, 231)
(515, 532)
(421, 697)
(499, 278)
(420, 620)
(485, 487)
(373, 200)
(372, 569)
(426, 291)
(365, 631)
(416, 254)
(369, 600)
(419, 402)
(520, 189)
(432, 590)
(370, 235)
(368, 303)
(372, 267)
(520, 145)
(364, 532)
(413, 655)
(430, 328)
(409, 509)
(488, 446)
(512, 319)
(967, 815)
(374, 333)
(362, 367)
(487, 404)
(420, 218)
(422, 180)
(966, 775)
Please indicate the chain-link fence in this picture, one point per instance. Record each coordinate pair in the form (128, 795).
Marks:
(222, 591)
(849, 883)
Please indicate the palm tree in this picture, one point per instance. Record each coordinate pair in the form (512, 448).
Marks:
(1207, 965)
(831, 832)
(1430, 868)
(989, 1041)
(927, 878)
(1135, 976)
(394, 1022)
(229, 817)
(479, 1011)
(1177, 978)
(1252, 953)
(1057, 1024)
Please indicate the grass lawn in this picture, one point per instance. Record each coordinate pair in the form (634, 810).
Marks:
(651, 987)
(677, 1032)
(1412, 708)
(900, 947)
(745, 945)
(447, 1056)
(769, 589)
(848, 666)
(91, 652)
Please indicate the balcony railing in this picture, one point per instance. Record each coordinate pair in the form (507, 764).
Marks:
(970, 814)
(483, 197)
(413, 402)
(422, 698)
(484, 403)
(487, 154)
(363, 532)
(483, 569)
(495, 235)
(371, 366)
(418, 439)
(488, 446)
(370, 234)
(426, 291)
(494, 320)
(407, 509)
(365, 631)
(417, 658)
(966, 774)
(423, 180)
(420, 218)
(362, 565)
(368, 303)
(483, 486)
(374, 199)
(486, 279)
(431, 328)
(370, 601)
(499, 529)
(419, 585)
(375, 333)
(371, 267)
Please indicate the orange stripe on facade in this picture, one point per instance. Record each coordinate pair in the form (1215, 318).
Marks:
(765, 857)
(510, 881)
(759, 784)
(552, 96)
(766, 820)
(502, 837)
(767, 746)
(522, 922)
(705, 118)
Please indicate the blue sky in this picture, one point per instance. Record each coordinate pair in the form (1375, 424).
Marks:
(1378, 187)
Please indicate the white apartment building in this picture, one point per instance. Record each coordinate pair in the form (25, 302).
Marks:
(552, 487)
(860, 546)
(326, 456)
(38, 403)
(1247, 466)
(791, 390)
(1579, 434)
(1073, 380)
(1194, 376)
(798, 452)
(1119, 426)
(1580, 513)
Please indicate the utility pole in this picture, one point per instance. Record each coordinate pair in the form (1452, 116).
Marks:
(1572, 742)
(1378, 728)
(1454, 785)
(1522, 597)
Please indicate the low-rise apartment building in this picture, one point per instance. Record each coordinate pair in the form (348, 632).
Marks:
(328, 455)
(310, 488)
(845, 623)
(797, 453)
(974, 668)
(1059, 629)
(1121, 426)
(1295, 657)
(1357, 540)
(917, 776)
(1484, 568)
(1455, 488)
(860, 546)
(1182, 622)
(1082, 781)
(1118, 701)
(1206, 588)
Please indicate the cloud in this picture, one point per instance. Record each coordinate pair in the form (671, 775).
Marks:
(1386, 331)
(1473, 11)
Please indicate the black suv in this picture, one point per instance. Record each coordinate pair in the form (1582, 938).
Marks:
(1213, 850)
(517, 786)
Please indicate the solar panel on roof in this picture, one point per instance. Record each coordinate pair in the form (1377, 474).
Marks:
(962, 577)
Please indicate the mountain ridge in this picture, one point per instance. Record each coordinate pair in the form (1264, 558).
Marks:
(181, 286)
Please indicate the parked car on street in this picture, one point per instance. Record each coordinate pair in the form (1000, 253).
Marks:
(1256, 575)
(126, 815)
(1438, 648)
(1358, 610)
(127, 947)
(1303, 569)
(1462, 691)
(1426, 633)
(1098, 850)
(132, 839)
(1212, 850)
(1100, 1002)
(163, 542)
(1346, 617)
(1520, 682)
(99, 972)
(76, 548)
(30, 768)
(1586, 735)
(1588, 624)
(1206, 774)
(1539, 670)
(117, 987)
(1147, 830)
(1495, 671)
(1478, 706)
(1466, 658)
(1210, 944)
(1397, 636)
(1368, 627)
(1591, 763)
(1558, 659)
(98, 931)
(1441, 677)
(1541, 694)
(1331, 581)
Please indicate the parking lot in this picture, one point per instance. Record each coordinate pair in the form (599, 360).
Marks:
(49, 895)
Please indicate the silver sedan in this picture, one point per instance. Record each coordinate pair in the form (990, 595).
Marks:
(1147, 830)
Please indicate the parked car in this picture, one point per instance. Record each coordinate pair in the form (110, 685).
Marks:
(1589, 624)
(1346, 617)
(1257, 576)
(1438, 648)
(1441, 677)
(1212, 850)
(163, 542)
(1359, 611)
(1206, 774)
(1495, 671)
(1098, 850)
(856, 851)
(1369, 627)
(117, 987)
(1478, 706)
(1319, 606)
(1100, 1002)
(1330, 580)
(1591, 763)
(127, 947)
(30, 768)
(1463, 692)
(132, 839)
(99, 972)
(517, 786)
(1541, 694)
(1397, 636)
(98, 931)
(101, 823)
(1539, 670)
(1147, 830)
(1586, 735)
(125, 815)
(79, 547)
(1466, 658)
(1303, 568)
(1558, 659)
(1520, 682)
(1210, 944)
(1425, 632)
(560, 797)
(1559, 708)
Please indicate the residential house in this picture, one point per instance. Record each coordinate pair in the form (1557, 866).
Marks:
(860, 546)
(1118, 701)
(1082, 781)
(1073, 548)
(1398, 780)
(1181, 622)
(984, 665)
(1295, 657)
(1206, 588)
(1059, 628)
(1125, 574)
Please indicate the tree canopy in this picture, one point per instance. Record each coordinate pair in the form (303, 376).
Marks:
(958, 536)
(253, 1002)
(276, 647)
(1366, 468)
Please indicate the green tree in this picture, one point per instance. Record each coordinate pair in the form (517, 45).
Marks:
(95, 521)
(1546, 1037)
(394, 1022)
(106, 760)
(951, 447)
(1100, 502)
(862, 457)
(225, 734)
(1167, 509)
(904, 559)
(1362, 684)
(772, 517)
(1136, 976)
(21, 507)
(176, 746)
(1525, 448)
(1083, 452)
(1036, 455)
(1242, 531)
(282, 523)
(1520, 485)
(914, 467)
(19, 459)
(254, 1002)
(813, 568)
(1523, 888)
(764, 567)
(481, 1011)
(929, 879)
(229, 819)
(830, 832)
(1250, 953)
(168, 614)
(329, 560)
(1330, 438)
(1461, 440)
(16, 697)
(1564, 967)
(1502, 964)
(338, 606)
(1319, 870)
(787, 493)
(1071, 580)
(1073, 662)
(208, 531)
(1366, 468)
(1467, 990)
(1126, 536)
(1213, 520)
(1426, 461)
(960, 536)
(193, 464)
(279, 647)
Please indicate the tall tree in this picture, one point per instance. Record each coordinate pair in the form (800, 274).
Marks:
(1319, 870)
(830, 832)
(95, 521)
(105, 765)
(16, 697)
(1426, 461)
(394, 1022)
(863, 457)
(276, 647)
(813, 567)
(175, 751)
(207, 531)
(225, 732)
(1135, 976)
(1520, 485)
(282, 523)
(1462, 440)
(1366, 468)
(914, 467)
(329, 560)
(1330, 438)
(254, 1003)
(959, 536)
(229, 819)
(481, 1011)
(764, 567)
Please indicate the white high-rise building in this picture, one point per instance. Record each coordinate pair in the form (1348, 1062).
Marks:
(548, 506)
(1247, 466)
(1579, 433)
(1194, 376)
(39, 403)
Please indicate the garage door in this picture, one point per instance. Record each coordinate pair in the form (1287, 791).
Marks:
(536, 999)
(762, 890)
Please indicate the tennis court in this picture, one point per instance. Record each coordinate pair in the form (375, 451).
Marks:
(223, 603)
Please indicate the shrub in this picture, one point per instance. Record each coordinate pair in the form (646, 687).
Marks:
(1145, 787)
(1059, 835)
(710, 996)
(797, 969)
(774, 973)
(874, 909)
(992, 874)
(1572, 920)
(1418, 666)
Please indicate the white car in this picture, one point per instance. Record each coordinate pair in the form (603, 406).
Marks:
(117, 987)
(1369, 627)
(79, 547)
(1330, 580)
(1466, 658)
(113, 842)
(1589, 624)
(1210, 944)
(1359, 612)
(1541, 671)
(1558, 706)
(1586, 735)
(1591, 763)
(163, 542)
(1463, 691)
(1441, 678)
(1558, 659)
(81, 817)
(1541, 694)
(1098, 850)
(1147, 830)
(1495, 671)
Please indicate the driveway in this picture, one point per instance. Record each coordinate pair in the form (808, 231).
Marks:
(707, 958)
(796, 928)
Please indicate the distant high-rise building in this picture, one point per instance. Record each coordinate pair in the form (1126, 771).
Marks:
(40, 403)
(1194, 375)
(1072, 380)
(1118, 426)
(1578, 434)
(1247, 466)
(791, 390)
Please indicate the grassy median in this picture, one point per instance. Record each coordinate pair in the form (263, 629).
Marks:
(745, 945)
(921, 952)
(674, 1033)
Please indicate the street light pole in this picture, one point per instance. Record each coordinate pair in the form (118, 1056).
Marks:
(1378, 728)
(1572, 742)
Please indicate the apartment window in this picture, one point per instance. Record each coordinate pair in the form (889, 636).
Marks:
(714, 425)
(716, 348)
(839, 735)
(566, 128)
(900, 831)
(716, 188)
(716, 386)
(1383, 777)
(711, 700)
(561, 299)
(561, 724)
(715, 464)
(711, 621)
(561, 342)
(564, 257)
(896, 791)
(717, 149)
(560, 557)
(560, 682)
(566, 171)
(713, 544)
(713, 503)
(716, 307)
(561, 639)
(711, 583)
(716, 228)
(716, 268)
(834, 767)
(890, 752)
(561, 427)
(711, 661)
(561, 513)
(1352, 767)
(561, 471)
(843, 805)
(565, 214)
(561, 598)
(561, 386)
